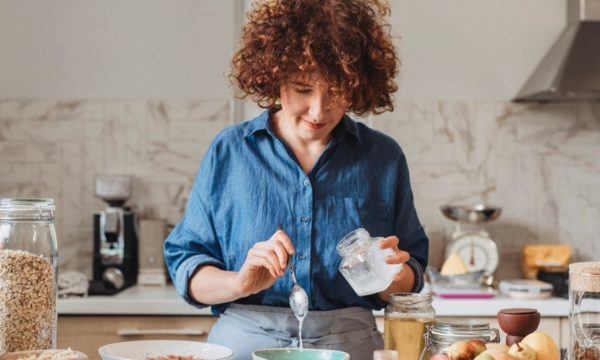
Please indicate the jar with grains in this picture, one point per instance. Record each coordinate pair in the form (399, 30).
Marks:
(584, 311)
(407, 317)
(28, 269)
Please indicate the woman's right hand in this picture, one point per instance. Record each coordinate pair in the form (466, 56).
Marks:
(265, 262)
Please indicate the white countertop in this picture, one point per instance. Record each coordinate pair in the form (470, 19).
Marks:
(158, 300)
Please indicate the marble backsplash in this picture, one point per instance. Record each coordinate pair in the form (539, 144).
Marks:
(540, 163)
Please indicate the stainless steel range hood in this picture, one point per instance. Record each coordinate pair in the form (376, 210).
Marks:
(570, 71)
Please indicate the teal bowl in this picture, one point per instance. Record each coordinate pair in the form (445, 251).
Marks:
(299, 354)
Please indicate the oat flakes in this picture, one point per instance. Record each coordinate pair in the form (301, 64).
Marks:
(27, 301)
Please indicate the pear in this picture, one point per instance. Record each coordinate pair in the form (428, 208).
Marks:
(498, 347)
(502, 356)
(544, 346)
(522, 351)
(484, 356)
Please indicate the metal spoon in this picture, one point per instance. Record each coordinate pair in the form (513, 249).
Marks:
(298, 297)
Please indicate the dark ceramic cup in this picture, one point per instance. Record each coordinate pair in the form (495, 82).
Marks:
(518, 323)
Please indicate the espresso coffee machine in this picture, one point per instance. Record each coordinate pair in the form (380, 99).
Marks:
(115, 265)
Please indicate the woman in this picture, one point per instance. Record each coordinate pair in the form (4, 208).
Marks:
(305, 165)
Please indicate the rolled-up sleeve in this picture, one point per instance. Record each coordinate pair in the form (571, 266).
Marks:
(193, 241)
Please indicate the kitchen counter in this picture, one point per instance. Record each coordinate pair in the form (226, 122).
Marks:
(158, 300)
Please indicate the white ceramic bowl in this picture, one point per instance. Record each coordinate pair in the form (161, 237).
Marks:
(139, 350)
(299, 354)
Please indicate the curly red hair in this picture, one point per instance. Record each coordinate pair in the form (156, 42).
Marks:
(347, 42)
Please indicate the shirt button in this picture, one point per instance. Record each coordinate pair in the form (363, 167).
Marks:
(304, 219)
(301, 257)
(306, 182)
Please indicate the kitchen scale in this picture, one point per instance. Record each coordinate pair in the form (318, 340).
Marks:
(470, 241)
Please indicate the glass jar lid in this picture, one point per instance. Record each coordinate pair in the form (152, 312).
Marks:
(410, 305)
(409, 299)
(448, 331)
(26, 209)
(460, 326)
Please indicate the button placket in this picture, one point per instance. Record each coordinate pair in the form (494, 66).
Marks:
(303, 237)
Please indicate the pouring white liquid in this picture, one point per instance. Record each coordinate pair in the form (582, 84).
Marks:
(300, 320)
(299, 306)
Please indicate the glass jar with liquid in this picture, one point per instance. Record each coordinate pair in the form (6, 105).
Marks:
(405, 323)
(584, 311)
(363, 263)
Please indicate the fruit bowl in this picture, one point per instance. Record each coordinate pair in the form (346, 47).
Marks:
(471, 213)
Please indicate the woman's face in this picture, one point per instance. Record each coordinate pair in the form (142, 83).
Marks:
(308, 107)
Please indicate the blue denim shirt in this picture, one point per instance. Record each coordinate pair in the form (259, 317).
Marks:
(249, 182)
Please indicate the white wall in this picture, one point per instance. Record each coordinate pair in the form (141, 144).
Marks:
(472, 49)
(136, 49)
(133, 49)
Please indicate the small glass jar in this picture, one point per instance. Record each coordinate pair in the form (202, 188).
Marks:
(584, 311)
(28, 269)
(442, 334)
(405, 323)
(363, 263)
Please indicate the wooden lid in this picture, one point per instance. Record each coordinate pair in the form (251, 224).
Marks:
(517, 311)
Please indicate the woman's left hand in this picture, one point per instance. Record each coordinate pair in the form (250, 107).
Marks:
(400, 257)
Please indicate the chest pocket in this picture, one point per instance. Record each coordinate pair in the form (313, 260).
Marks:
(344, 215)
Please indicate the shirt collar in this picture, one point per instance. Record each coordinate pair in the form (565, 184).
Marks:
(261, 124)
(258, 124)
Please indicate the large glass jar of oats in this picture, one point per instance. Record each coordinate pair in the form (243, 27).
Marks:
(28, 264)
(584, 310)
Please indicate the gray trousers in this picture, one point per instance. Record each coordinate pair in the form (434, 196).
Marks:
(247, 328)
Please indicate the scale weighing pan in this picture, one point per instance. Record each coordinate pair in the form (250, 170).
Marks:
(478, 213)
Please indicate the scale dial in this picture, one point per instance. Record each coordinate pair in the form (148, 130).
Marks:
(477, 251)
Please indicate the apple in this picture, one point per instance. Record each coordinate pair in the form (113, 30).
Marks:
(461, 350)
(478, 346)
(439, 356)
(544, 346)
(522, 351)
